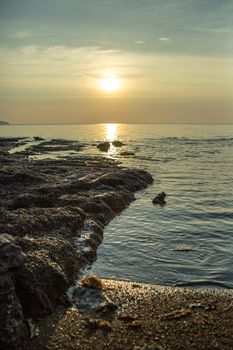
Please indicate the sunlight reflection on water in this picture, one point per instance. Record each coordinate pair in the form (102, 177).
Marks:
(111, 132)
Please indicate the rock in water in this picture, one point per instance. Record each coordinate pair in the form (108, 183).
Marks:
(127, 153)
(104, 146)
(159, 199)
(37, 138)
(117, 143)
(11, 255)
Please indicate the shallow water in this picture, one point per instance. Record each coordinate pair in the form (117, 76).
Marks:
(188, 241)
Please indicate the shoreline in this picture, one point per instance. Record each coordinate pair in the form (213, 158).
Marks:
(52, 217)
(148, 317)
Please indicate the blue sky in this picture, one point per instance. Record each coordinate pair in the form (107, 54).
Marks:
(165, 52)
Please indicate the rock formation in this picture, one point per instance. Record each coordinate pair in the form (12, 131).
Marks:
(52, 216)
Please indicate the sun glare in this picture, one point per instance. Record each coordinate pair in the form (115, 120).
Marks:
(111, 132)
(110, 84)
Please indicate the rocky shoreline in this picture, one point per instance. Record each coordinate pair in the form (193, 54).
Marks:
(52, 216)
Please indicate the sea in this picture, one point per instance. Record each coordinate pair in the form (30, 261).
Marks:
(187, 242)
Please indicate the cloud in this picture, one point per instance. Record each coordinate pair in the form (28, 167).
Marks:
(76, 71)
(212, 30)
(140, 42)
(34, 60)
(165, 40)
(21, 35)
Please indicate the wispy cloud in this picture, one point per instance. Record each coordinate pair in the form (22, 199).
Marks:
(33, 60)
(165, 40)
(212, 30)
(21, 35)
(140, 42)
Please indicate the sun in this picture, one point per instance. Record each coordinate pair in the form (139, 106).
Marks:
(110, 84)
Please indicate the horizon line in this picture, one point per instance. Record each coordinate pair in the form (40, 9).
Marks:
(101, 123)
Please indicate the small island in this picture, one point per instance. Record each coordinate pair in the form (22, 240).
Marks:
(2, 122)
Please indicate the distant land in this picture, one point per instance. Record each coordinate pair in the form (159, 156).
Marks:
(3, 123)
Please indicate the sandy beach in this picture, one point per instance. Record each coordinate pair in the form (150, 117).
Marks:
(147, 317)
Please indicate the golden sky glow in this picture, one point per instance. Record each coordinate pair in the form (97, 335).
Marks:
(116, 61)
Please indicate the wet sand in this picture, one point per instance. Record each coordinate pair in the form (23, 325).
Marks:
(148, 317)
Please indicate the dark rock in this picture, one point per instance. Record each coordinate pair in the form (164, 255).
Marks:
(20, 176)
(29, 200)
(49, 270)
(118, 201)
(91, 299)
(159, 199)
(11, 314)
(11, 255)
(123, 179)
(117, 143)
(126, 153)
(10, 139)
(37, 222)
(104, 146)
(37, 138)
(55, 212)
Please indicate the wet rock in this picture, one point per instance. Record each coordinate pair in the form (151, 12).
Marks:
(127, 153)
(49, 270)
(11, 314)
(51, 146)
(92, 282)
(55, 212)
(98, 209)
(29, 200)
(104, 146)
(11, 255)
(118, 201)
(160, 199)
(117, 143)
(124, 179)
(10, 139)
(37, 222)
(90, 296)
(20, 176)
(37, 138)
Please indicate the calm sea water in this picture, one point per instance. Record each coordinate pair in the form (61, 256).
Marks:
(190, 240)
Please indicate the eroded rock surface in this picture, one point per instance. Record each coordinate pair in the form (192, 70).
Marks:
(52, 216)
(11, 255)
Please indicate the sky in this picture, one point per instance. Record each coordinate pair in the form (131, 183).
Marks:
(172, 60)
